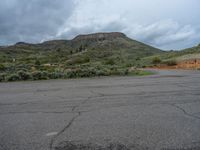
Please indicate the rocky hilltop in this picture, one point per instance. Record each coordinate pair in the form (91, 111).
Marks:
(99, 36)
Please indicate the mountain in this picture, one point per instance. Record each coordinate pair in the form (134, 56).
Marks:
(84, 56)
(95, 46)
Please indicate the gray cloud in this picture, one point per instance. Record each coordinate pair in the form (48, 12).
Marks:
(164, 34)
(148, 23)
(32, 20)
(73, 28)
(163, 24)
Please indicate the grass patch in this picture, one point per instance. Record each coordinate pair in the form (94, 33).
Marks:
(141, 73)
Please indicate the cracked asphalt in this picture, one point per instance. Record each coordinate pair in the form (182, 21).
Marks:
(157, 112)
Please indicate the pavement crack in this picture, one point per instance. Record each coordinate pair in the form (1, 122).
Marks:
(84, 101)
(36, 112)
(63, 130)
(79, 113)
(184, 111)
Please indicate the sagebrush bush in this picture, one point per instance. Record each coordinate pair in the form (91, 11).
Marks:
(126, 72)
(101, 73)
(156, 60)
(2, 67)
(80, 73)
(38, 75)
(55, 75)
(24, 75)
(2, 77)
(13, 77)
(86, 59)
(78, 60)
(87, 72)
(119, 72)
(45, 75)
(70, 74)
(128, 65)
(37, 63)
(109, 62)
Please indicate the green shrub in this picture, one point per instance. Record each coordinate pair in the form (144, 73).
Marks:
(2, 67)
(78, 60)
(13, 77)
(37, 63)
(81, 73)
(119, 72)
(45, 75)
(38, 75)
(2, 77)
(109, 62)
(101, 73)
(71, 74)
(138, 58)
(55, 75)
(22, 67)
(144, 66)
(126, 72)
(24, 75)
(128, 65)
(156, 60)
(86, 59)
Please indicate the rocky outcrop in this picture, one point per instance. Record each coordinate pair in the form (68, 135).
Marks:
(99, 36)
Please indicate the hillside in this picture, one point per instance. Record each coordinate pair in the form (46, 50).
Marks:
(185, 59)
(95, 46)
(85, 55)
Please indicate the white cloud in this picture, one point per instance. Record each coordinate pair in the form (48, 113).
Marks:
(146, 21)
(163, 34)
(164, 24)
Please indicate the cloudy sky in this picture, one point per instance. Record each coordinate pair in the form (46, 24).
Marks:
(171, 24)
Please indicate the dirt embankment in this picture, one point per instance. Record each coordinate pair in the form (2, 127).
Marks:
(186, 64)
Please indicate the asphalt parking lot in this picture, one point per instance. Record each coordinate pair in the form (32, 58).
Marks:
(157, 112)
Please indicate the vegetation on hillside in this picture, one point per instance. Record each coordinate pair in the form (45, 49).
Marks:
(171, 58)
(73, 59)
(84, 56)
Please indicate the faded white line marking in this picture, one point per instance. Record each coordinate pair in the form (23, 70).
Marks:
(51, 133)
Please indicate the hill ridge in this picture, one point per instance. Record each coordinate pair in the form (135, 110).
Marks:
(99, 36)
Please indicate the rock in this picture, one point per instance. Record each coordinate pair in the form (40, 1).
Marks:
(99, 36)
